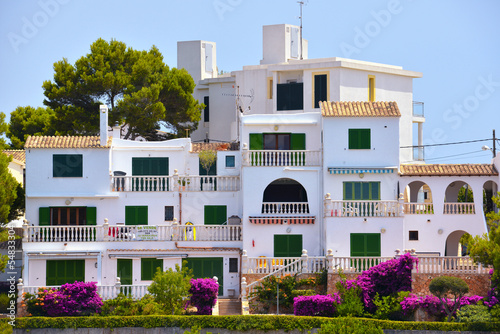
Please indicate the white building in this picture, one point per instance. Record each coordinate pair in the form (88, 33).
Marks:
(293, 172)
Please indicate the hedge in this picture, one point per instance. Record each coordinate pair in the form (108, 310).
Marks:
(235, 322)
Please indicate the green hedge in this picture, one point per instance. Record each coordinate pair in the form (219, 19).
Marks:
(236, 322)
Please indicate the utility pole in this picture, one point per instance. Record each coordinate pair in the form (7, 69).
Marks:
(494, 145)
(301, 3)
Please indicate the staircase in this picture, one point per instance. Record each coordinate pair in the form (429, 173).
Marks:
(229, 307)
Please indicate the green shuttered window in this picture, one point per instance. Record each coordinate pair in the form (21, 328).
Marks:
(290, 96)
(149, 267)
(206, 112)
(365, 244)
(359, 139)
(320, 89)
(207, 268)
(354, 191)
(67, 165)
(124, 271)
(215, 214)
(149, 166)
(277, 141)
(68, 215)
(287, 245)
(65, 271)
(136, 215)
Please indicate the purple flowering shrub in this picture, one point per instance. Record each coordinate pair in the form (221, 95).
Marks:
(204, 293)
(319, 305)
(432, 305)
(386, 279)
(73, 299)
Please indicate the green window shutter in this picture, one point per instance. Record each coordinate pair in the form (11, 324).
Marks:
(280, 245)
(91, 215)
(297, 96)
(375, 191)
(348, 192)
(359, 139)
(206, 113)
(130, 215)
(320, 89)
(286, 245)
(215, 214)
(142, 215)
(295, 245)
(357, 191)
(136, 215)
(256, 141)
(43, 216)
(64, 271)
(357, 244)
(221, 214)
(207, 268)
(149, 267)
(365, 190)
(124, 271)
(79, 271)
(298, 141)
(365, 139)
(372, 244)
(67, 165)
(51, 273)
(149, 166)
(353, 139)
(157, 263)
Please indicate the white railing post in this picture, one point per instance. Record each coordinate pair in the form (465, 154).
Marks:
(304, 257)
(118, 285)
(401, 208)
(244, 296)
(25, 231)
(244, 262)
(328, 205)
(329, 259)
(176, 180)
(20, 293)
(105, 230)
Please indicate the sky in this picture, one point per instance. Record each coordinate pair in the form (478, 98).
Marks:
(454, 43)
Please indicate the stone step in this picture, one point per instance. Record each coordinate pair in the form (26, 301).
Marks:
(229, 307)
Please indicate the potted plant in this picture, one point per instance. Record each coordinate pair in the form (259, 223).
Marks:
(183, 181)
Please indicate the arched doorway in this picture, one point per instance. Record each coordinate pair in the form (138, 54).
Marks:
(490, 189)
(418, 198)
(459, 199)
(285, 196)
(453, 246)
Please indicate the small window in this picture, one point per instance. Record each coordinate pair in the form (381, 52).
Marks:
(206, 113)
(413, 235)
(169, 213)
(136, 215)
(149, 267)
(233, 265)
(320, 89)
(270, 87)
(229, 161)
(371, 88)
(426, 195)
(67, 165)
(359, 139)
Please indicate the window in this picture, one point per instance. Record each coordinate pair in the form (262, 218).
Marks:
(64, 271)
(136, 215)
(290, 96)
(67, 165)
(233, 265)
(287, 245)
(371, 88)
(206, 113)
(230, 161)
(365, 244)
(149, 166)
(124, 271)
(320, 89)
(204, 267)
(149, 267)
(169, 213)
(270, 87)
(277, 141)
(359, 139)
(413, 235)
(361, 191)
(68, 215)
(215, 214)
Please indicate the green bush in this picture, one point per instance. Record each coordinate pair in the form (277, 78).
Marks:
(309, 292)
(350, 326)
(351, 305)
(473, 313)
(4, 302)
(126, 306)
(389, 307)
(5, 327)
(446, 287)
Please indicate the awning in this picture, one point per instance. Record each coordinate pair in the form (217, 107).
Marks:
(370, 170)
(282, 220)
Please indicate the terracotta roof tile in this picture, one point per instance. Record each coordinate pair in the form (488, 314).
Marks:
(18, 155)
(359, 109)
(448, 170)
(198, 147)
(65, 142)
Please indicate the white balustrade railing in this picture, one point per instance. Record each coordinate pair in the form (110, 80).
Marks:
(285, 207)
(418, 208)
(449, 264)
(268, 265)
(363, 209)
(282, 158)
(459, 208)
(356, 264)
(105, 291)
(175, 183)
(127, 233)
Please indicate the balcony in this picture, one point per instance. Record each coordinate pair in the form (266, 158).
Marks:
(140, 233)
(285, 208)
(282, 158)
(418, 208)
(174, 183)
(459, 209)
(418, 109)
(363, 208)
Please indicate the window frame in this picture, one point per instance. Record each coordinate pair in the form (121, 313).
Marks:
(288, 97)
(359, 139)
(155, 263)
(78, 265)
(233, 157)
(137, 211)
(169, 207)
(313, 83)
(61, 169)
(362, 190)
(413, 235)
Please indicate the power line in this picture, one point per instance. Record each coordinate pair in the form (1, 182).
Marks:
(454, 143)
(456, 155)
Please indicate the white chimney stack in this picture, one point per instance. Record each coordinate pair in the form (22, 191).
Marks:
(103, 111)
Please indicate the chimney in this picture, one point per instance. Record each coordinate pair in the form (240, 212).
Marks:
(117, 129)
(103, 111)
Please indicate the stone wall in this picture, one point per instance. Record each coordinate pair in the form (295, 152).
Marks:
(479, 284)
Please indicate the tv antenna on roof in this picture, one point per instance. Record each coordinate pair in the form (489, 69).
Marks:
(301, 3)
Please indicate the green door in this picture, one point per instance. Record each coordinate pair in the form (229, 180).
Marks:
(287, 245)
(365, 245)
(124, 271)
(208, 267)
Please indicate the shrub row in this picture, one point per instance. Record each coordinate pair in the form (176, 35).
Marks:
(240, 323)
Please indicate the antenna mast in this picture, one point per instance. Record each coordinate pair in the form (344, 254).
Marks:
(301, 3)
